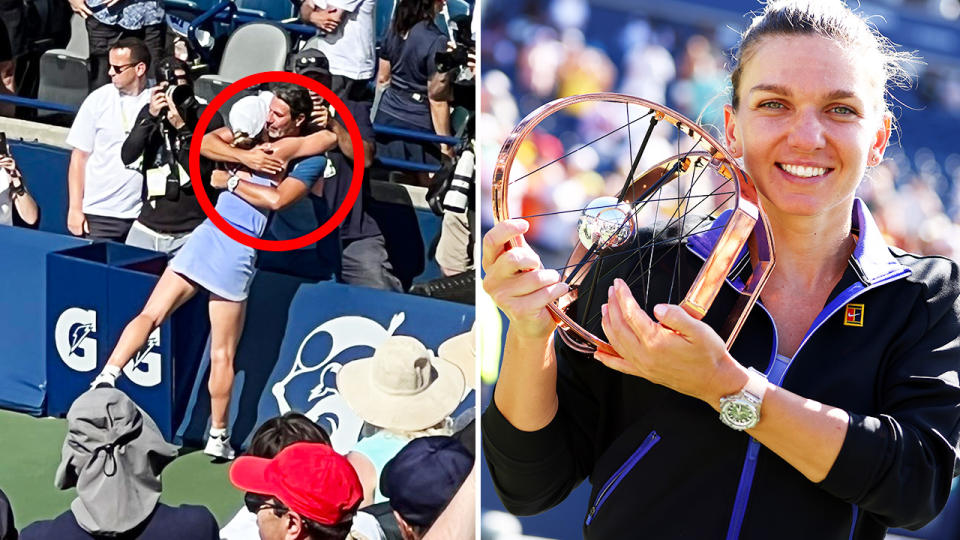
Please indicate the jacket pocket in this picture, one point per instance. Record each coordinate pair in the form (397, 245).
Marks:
(611, 484)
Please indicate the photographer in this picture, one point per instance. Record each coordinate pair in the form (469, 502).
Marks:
(160, 140)
(13, 192)
(458, 64)
(418, 92)
(452, 191)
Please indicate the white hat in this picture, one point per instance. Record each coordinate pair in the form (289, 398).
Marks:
(402, 386)
(249, 114)
(461, 350)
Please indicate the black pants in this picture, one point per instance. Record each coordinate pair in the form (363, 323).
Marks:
(352, 89)
(103, 36)
(108, 228)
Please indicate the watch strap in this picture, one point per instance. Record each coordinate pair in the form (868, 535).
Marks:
(756, 385)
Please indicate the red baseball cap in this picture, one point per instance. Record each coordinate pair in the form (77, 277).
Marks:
(309, 478)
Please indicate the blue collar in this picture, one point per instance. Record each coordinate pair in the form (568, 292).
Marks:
(871, 257)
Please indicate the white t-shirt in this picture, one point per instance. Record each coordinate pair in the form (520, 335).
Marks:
(6, 199)
(243, 526)
(349, 49)
(102, 124)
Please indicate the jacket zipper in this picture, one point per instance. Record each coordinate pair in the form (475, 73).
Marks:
(750, 463)
(753, 448)
(611, 484)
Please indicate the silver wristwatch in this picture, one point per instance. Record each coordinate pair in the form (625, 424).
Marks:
(741, 411)
(232, 183)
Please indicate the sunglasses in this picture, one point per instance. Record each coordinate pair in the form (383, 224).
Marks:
(120, 69)
(254, 502)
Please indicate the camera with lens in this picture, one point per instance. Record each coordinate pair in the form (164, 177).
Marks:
(180, 95)
(463, 37)
(453, 184)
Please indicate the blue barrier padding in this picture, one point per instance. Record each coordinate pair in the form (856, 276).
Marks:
(93, 292)
(326, 326)
(23, 286)
(37, 104)
(414, 135)
(44, 169)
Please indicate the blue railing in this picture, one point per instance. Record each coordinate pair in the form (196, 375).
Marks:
(37, 104)
(413, 136)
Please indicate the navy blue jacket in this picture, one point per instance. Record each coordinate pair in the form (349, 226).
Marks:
(185, 522)
(662, 465)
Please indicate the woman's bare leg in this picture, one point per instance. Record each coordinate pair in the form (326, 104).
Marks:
(171, 292)
(226, 325)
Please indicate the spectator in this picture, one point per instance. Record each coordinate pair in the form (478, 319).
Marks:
(14, 195)
(292, 505)
(459, 519)
(456, 244)
(422, 479)
(417, 92)
(364, 258)
(7, 529)
(114, 454)
(12, 46)
(104, 194)
(110, 21)
(320, 260)
(406, 393)
(347, 41)
(218, 264)
(270, 438)
(170, 210)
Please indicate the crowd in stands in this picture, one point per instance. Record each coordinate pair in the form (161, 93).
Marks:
(544, 50)
(295, 486)
(131, 138)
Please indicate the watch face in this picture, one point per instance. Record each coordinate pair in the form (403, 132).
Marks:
(739, 414)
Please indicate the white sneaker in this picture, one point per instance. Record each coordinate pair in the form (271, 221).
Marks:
(219, 447)
(103, 379)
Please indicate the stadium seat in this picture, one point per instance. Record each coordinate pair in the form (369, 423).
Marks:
(252, 48)
(454, 8)
(383, 13)
(274, 10)
(191, 7)
(63, 72)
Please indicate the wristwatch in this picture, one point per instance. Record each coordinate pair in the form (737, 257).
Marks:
(741, 411)
(232, 183)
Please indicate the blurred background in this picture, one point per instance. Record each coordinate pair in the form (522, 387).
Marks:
(677, 53)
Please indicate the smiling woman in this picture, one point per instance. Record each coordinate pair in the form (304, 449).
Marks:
(844, 379)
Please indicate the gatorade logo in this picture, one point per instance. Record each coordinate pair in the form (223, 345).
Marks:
(145, 368)
(74, 339)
